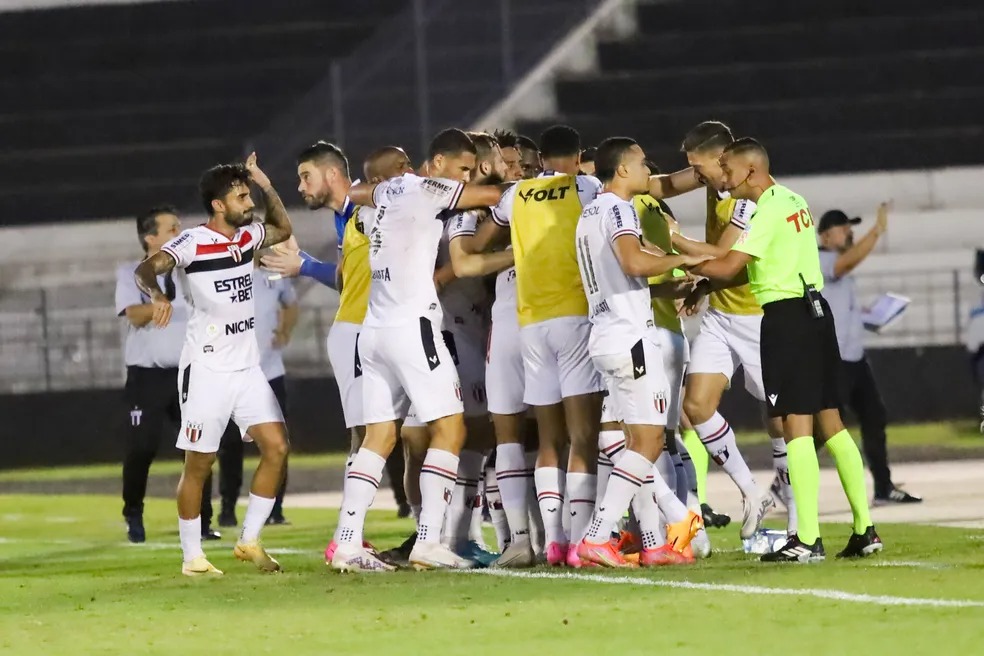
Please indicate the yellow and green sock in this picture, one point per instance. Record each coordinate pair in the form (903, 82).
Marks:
(850, 468)
(698, 454)
(804, 477)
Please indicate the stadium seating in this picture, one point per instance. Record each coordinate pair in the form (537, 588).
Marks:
(108, 108)
(828, 85)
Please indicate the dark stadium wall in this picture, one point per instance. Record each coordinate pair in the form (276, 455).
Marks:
(87, 426)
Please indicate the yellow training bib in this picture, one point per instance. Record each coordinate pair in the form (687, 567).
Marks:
(355, 273)
(735, 300)
(543, 224)
(656, 231)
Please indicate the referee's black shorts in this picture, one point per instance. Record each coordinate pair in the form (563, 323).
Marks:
(800, 359)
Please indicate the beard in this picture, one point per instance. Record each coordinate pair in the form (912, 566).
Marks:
(493, 179)
(240, 219)
(315, 202)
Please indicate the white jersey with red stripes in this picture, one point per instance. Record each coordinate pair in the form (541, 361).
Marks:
(217, 275)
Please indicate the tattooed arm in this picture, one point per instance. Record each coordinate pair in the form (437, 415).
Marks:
(275, 218)
(146, 277)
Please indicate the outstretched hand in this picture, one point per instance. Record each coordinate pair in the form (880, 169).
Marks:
(256, 174)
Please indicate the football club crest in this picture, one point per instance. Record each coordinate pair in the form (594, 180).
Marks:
(237, 254)
(660, 402)
(193, 431)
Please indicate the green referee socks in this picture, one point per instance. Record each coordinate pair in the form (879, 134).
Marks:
(847, 458)
(804, 476)
(698, 454)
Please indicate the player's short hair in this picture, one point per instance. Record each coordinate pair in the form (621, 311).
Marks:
(216, 182)
(373, 158)
(522, 141)
(506, 138)
(609, 156)
(451, 142)
(323, 153)
(709, 135)
(589, 154)
(746, 145)
(147, 222)
(560, 141)
(485, 144)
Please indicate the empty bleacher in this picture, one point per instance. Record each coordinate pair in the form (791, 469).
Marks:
(109, 108)
(828, 85)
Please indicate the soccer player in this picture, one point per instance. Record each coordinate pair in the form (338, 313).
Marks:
(324, 181)
(777, 252)
(529, 157)
(728, 337)
(509, 147)
(220, 376)
(465, 302)
(588, 160)
(614, 271)
(403, 358)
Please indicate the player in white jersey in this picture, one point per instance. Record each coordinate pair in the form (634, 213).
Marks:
(623, 345)
(219, 376)
(403, 358)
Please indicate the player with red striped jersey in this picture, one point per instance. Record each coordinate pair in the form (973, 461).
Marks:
(219, 376)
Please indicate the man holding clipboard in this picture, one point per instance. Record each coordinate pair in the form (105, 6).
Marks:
(839, 255)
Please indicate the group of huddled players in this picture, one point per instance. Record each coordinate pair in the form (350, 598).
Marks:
(509, 316)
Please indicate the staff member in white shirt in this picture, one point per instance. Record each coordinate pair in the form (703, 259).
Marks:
(839, 255)
(151, 357)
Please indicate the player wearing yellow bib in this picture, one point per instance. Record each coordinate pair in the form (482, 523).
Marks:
(728, 338)
(777, 252)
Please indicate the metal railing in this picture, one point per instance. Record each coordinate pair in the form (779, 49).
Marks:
(70, 338)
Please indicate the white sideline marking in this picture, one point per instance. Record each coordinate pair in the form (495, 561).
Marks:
(836, 595)
(910, 563)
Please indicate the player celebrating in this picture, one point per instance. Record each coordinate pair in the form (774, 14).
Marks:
(729, 335)
(778, 254)
(403, 360)
(614, 268)
(219, 374)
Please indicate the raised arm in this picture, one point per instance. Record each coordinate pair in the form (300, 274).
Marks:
(479, 195)
(467, 263)
(668, 185)
(856, 254)
(146, 276)
(724, 269)
(275, 217)
(720, 249)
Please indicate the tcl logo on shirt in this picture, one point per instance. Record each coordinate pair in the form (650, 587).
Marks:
(801, 219)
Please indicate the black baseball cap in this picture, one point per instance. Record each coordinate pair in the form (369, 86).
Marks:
(834, 218)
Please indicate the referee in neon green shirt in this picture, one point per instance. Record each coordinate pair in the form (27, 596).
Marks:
(777, 253)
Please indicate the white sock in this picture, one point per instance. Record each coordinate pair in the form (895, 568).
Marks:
(493, 497)
(581, 499)
(688, 464)
(780, 463)
(611, 444)
(550, 499)
(514, 479)
(257, 511)
(348, 463)
(666, 499)
(538, 535)
(437, 482)
(361, 484)
(646, 510)
(719, 440)
(626, 479)
(458, 519)
(190, 531)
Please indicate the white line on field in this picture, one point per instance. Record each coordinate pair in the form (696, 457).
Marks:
(910, 563)
(836, 595)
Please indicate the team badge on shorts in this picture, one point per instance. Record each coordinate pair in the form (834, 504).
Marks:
(457, 390)
(193, 431)
(660, 402)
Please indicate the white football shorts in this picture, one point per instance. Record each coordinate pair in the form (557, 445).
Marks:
(407, 364)
(343, 354)
(637, 385)
(210, 399)
(725, 342)
(504, 376)
(556, 361)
